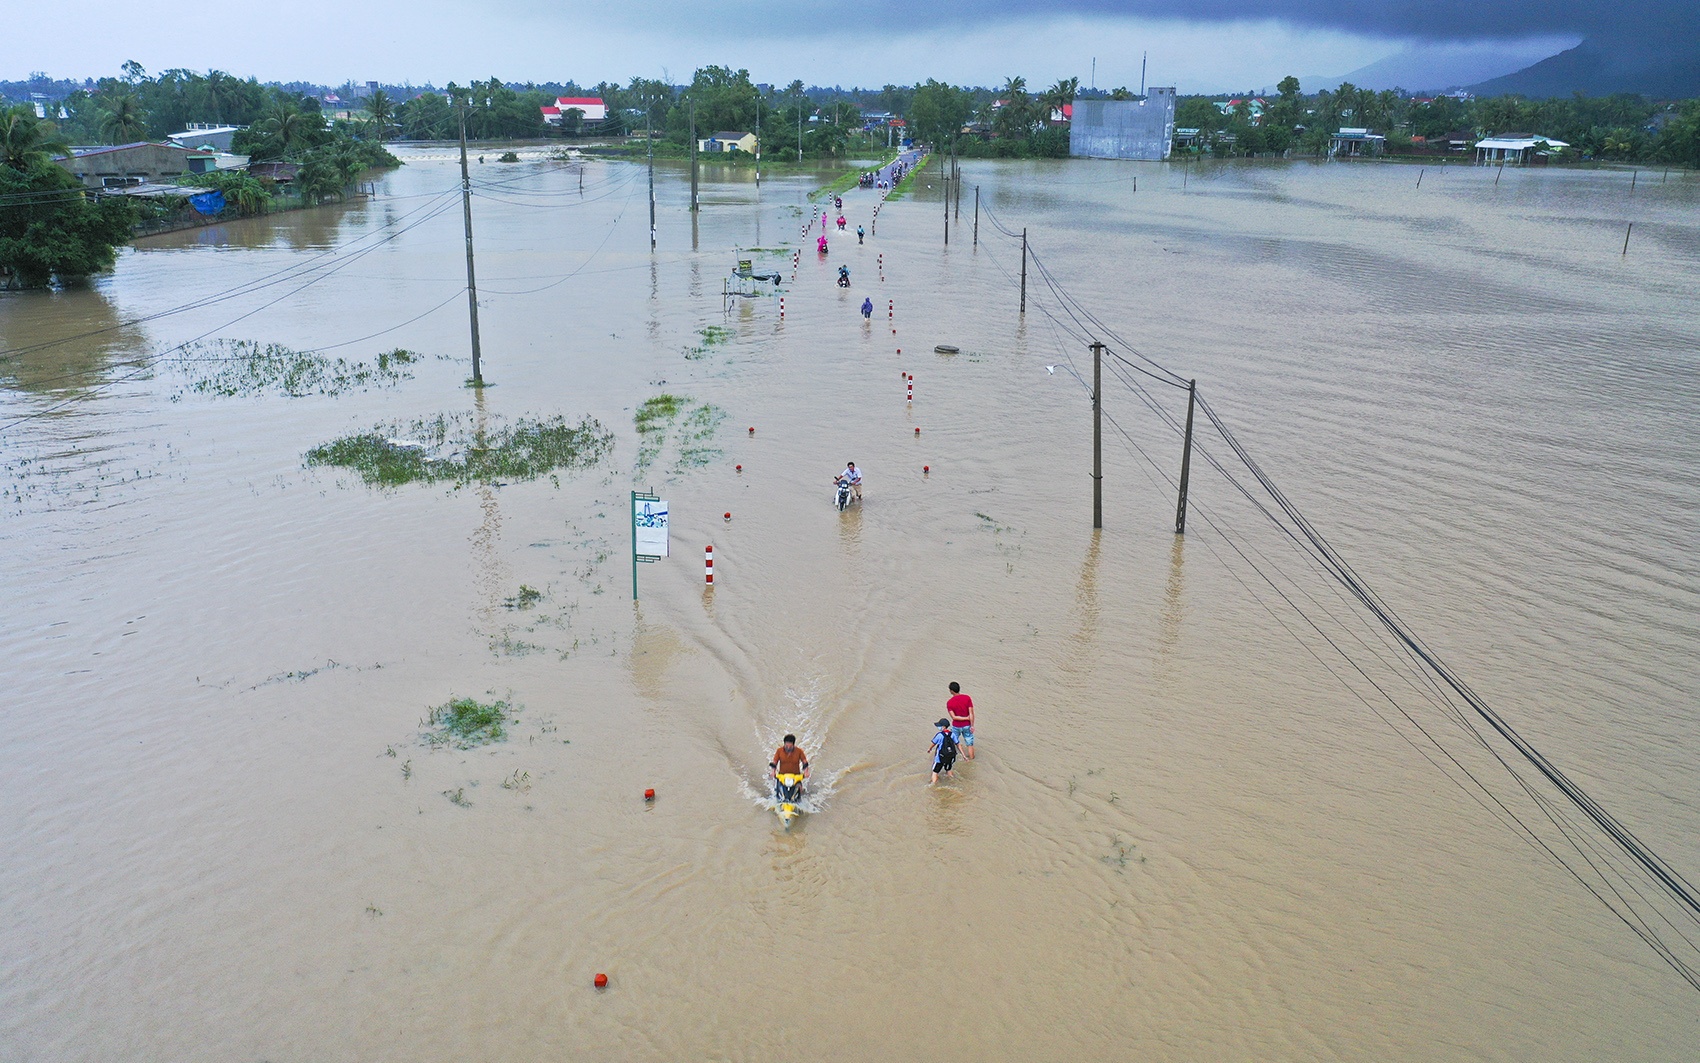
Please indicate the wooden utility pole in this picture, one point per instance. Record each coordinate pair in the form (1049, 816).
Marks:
(471, 275)
(1186, 458)
(693, 156)
(1024, 271)
(1097, 435)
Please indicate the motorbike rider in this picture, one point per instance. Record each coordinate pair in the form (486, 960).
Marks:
(821, 243)
(852, 476)
(844, 276)
(788, 759)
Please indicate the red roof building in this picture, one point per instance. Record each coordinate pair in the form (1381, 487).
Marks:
(595, 110)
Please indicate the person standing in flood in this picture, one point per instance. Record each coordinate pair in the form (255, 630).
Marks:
(943, 749)
(961, 709)
(868, 308)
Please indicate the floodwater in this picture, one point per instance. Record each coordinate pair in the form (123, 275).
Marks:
(1192, 831)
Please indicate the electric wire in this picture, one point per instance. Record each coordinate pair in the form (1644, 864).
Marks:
(1422, 672)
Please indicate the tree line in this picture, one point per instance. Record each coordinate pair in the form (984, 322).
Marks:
(1623, 127)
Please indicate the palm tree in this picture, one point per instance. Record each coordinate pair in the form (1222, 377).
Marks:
(26, 140)
(287, 128)
(1055, 98)
(382, 109)
(1015, 117)
(124, 120)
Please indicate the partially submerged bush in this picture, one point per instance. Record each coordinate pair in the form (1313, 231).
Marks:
(450, 447)
(466, 722)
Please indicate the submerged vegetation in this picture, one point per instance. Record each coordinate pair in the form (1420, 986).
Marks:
(696, 423)
(248, 367)
(464, 723)
(452, 448)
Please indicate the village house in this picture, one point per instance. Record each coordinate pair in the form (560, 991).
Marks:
(129, 165)
(594, 110)
(205, 136)
(1353, 141)
(1518, 148)
(728, 141)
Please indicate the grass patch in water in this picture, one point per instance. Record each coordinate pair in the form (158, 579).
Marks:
(657, 417)
(713, 334)
(247, 367)
(658, 412)
(449, 448)
(467, 722)
(525, 599)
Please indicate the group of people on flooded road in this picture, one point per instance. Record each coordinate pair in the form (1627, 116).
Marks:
(954, 738)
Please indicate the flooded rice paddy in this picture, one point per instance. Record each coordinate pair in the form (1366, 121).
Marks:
(236, 831)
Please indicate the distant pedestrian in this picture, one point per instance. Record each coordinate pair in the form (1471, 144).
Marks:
(859, 234)
(943, 749)
(961, 709)
(868, 308)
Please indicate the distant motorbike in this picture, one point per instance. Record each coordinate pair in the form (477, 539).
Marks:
(844, 276)
(843, 495)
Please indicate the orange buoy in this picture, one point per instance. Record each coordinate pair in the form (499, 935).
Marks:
(600, 981)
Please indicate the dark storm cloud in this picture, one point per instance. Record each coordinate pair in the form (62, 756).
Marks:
(1429, 19)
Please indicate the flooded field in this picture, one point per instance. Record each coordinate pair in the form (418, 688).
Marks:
(257, 808)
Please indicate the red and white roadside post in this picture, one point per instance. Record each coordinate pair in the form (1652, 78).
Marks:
(708, 565)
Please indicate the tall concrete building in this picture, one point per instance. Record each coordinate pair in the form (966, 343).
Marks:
(1124, 129)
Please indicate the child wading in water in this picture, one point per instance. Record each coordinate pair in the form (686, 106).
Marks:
(943, 749)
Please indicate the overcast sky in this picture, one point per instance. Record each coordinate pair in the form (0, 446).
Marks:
(1197, 45)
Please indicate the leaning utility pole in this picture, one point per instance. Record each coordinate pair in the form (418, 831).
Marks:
(1097, 435)
(471, 277)
(1186, 458)
(693, 156)
(1024, 271)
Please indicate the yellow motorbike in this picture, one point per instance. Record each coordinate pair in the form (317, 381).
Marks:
(787, 792)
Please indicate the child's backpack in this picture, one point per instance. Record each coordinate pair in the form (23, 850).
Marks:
(947, 747)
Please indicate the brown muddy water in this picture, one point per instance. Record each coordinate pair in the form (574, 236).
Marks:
(1192, 831)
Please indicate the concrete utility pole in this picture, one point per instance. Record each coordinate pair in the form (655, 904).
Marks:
(1186, 458)
(649, 135)
(1097, 435)
(946, 183)
(693, 156)
(759, 108)
(976, 215)
(1024, 271)
(471, 276)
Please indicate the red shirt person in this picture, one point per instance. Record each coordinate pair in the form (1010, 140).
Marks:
(961, 709)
